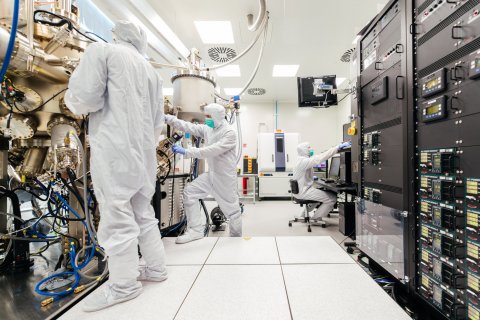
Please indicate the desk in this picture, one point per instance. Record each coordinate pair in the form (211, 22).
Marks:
(346, 209)
(348, 189)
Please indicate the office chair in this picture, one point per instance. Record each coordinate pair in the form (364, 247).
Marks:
(310, 205)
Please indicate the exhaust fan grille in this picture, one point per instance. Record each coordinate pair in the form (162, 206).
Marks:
(256, 91)
(221, 54)
(346, 57)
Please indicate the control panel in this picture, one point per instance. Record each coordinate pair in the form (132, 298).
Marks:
(434, 109)
(433, 83)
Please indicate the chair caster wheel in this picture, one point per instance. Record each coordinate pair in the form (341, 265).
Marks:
(309, 229)
(296, 219)
(324, 225)
(289, 224)
(328, 215)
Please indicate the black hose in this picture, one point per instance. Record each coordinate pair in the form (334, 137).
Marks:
(63, 20)
(207, 224)
(164, 178)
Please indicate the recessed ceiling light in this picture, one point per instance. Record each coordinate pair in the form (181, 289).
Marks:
(232, 70)
(212, 32)
(339, 81)
(167, 91)
(232, 91)
(284, 70)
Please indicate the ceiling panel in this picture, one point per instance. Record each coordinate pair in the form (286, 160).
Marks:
(311, 33)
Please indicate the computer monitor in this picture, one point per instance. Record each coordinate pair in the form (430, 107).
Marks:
(317, 91)
(334, 172)
(322, 167)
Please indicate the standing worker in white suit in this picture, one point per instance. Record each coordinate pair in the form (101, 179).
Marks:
(303, 174)
(221, 179)
(122, 92)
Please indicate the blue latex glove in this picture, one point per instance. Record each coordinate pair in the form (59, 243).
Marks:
(344, 145)
(178, 149)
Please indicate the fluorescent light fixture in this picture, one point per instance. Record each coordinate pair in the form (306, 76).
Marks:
(285, 70)
(354, 42)
(339, 81)
(155, 20)
(232, 70)
(215, 32)
(167, 91)
(232, 91)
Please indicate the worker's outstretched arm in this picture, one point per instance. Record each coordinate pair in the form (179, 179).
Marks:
(226, 143)
(88, 85)
(317, 159)
(197, 130)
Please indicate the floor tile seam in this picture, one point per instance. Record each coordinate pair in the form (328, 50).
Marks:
(194, 281)
(242, 264)
(319, 263)
(284, 282)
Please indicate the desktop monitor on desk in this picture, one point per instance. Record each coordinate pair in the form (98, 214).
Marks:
(321, 170)
(334, 172)
(322, 167)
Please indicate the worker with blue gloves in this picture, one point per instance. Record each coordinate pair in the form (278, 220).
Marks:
(303, 174)
(221, 179)
(121, 91)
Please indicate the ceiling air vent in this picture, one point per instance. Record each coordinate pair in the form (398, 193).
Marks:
(346, 57)
(256, 91)
(221, 54)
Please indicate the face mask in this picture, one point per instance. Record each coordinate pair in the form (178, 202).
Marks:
(311, 152)
(209, 122)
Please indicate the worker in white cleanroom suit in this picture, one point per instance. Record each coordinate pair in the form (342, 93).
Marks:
(122, 92)
(303, 174)
(221, 179)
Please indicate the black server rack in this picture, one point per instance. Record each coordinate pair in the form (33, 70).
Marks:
(385, 220)
(447, 66)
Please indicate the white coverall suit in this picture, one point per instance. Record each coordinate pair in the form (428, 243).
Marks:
(221, 179)
(303, 173)
(122, 92)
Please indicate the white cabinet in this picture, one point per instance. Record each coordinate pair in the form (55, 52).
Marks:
(266, 152)
(274, 186)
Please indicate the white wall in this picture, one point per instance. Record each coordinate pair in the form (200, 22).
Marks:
(320, 127)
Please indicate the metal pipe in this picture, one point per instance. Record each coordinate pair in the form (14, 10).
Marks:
(11, 40)
(29, 17)
(88, 220)
(264, 41)
(19, 62)
(253, 26)
(264, 25)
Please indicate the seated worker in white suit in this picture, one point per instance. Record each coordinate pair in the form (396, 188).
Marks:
(303, 174)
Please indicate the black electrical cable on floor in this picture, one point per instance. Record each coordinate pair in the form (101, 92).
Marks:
(347, 237)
